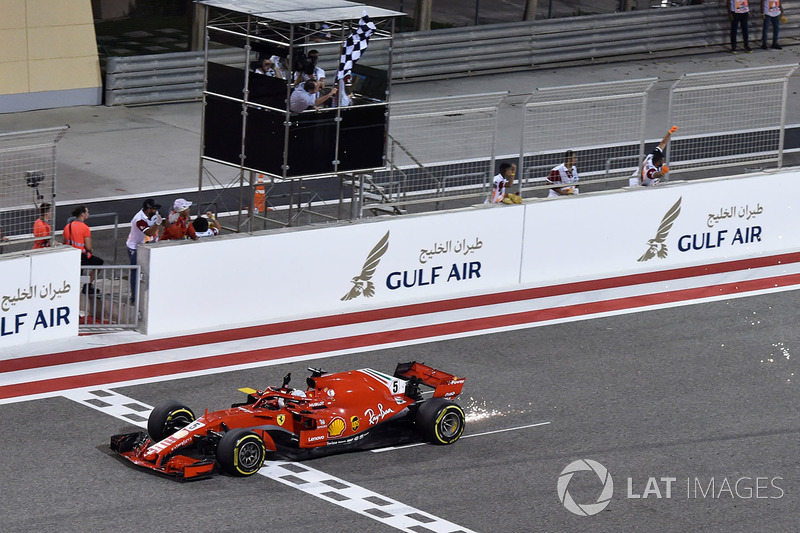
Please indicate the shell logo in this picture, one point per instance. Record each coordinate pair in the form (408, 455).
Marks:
(336, 427)
(354, 423)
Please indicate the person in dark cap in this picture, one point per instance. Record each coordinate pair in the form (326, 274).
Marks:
(145, 226)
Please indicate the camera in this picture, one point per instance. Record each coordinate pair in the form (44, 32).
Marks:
(34, 177)
(304, 64)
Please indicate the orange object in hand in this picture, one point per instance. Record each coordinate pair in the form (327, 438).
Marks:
(664, 169)
(673, 129)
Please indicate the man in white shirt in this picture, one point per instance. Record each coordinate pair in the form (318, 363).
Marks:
(653, 168)
(771, 13)
(206, 226)
(739, 14)
(145, 225)
(566, 175)
(304, 97)
(503, 181)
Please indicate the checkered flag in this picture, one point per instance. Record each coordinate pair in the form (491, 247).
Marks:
(354, 45)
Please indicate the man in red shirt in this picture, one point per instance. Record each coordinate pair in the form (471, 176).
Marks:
(41, 227)
(180, 226)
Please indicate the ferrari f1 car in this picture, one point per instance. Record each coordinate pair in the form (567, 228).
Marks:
(338, 412)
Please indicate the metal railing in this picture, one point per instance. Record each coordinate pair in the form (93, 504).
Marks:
(107, 301)
(460, 52)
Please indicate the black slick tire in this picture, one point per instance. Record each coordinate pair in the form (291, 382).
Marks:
(167, 418)
(440, 421)
(241, 452)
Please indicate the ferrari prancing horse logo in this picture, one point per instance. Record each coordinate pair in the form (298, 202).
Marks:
(281, 419)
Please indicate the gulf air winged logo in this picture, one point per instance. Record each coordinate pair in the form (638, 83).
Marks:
(362, 284)
(656, 246)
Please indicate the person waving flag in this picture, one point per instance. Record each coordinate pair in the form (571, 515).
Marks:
(354, 45)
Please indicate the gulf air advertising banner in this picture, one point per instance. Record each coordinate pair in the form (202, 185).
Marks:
(332, 270)
(39, 296)
(433, 257)
(662, 227)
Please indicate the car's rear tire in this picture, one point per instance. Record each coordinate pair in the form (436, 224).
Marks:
(241, 452)
(440, 421)
(167, 418)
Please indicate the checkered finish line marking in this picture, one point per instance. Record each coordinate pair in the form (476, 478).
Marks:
(299, 476)
(357, 499)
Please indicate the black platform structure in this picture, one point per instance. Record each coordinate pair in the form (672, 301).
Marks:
(248, 128)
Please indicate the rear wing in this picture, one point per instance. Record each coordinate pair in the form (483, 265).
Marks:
(445, 385)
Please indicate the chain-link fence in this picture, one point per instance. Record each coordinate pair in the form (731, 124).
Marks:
(439, 149)
(729, 118)
(27, 180)
(603, 123)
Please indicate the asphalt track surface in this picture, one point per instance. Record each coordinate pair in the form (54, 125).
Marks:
(697, 393)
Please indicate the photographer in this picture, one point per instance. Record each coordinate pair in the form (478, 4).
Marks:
(306, 69)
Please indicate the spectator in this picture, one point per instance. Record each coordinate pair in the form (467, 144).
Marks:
(653, 168)
(78, 235)
(202, 228)
(565, 174)
(41, 227)
(144, 225)
(267, 68)
(306, 69)
(345, 91)
(738, 14)
(771, 13)
(304, 97)
(282, 69)
(502, 182)
(319, 74)
(180, 226)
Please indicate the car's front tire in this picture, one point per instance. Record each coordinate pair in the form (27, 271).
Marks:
(440, 421)
(167, 418)
(241, 452)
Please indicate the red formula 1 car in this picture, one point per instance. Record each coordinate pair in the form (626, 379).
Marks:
(338, 412)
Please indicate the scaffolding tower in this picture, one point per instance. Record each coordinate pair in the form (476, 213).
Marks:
(252, 143)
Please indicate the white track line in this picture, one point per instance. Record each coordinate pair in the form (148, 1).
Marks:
(397, 323)
(393, 448)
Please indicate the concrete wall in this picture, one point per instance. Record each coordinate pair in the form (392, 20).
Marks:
(658, 234)
(39, 295)
(48, 55)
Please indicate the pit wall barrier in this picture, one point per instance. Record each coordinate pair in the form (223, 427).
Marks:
(39, 295)
(400, 262)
